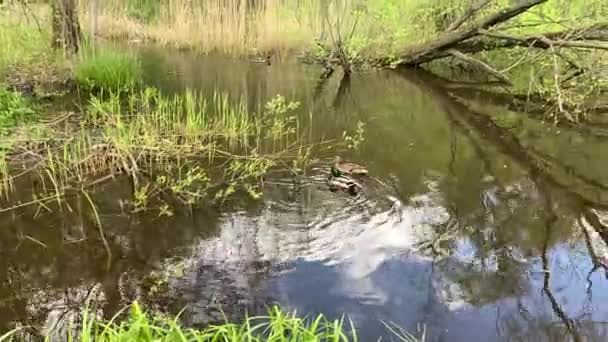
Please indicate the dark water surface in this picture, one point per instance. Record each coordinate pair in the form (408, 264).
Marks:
(526, 204)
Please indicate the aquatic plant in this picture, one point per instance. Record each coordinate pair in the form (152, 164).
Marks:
(14, 107)
(355, 140)
(107, 69)
(182, 149)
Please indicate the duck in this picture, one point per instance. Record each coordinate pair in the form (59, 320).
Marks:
(340, 168)
(340, 176)
(343, 183)
(266, 60)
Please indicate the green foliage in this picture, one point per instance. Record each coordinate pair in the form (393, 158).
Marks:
(354, 141)
(279, 117)
(175, 141)
(14, 108)
(278, 326)
(108, 69)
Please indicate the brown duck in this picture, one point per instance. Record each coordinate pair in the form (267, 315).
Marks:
(345, 168)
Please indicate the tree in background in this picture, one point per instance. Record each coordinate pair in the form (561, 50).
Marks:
(66, 27)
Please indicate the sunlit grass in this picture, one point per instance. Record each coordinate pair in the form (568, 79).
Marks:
(107, 69)
(135, 324)
(380, 28)
(277, 326)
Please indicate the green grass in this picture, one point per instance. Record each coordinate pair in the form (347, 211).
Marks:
(14, 108)
(107, 69)
(277, 326)
(195, 149)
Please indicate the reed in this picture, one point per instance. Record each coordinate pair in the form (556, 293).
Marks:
(241, 27)
(185, 145)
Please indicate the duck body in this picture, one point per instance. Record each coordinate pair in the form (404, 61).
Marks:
(341, 176)
(341, 167)
(266, 60)
(343, 183)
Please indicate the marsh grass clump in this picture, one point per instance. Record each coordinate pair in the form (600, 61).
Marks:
(107, 69)
(179, 150)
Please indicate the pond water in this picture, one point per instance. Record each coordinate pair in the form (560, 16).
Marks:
(518, 207)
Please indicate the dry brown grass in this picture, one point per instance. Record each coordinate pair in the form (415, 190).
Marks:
(225, 26)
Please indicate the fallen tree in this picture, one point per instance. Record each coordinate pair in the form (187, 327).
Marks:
(465, 37)
(481, 36)
(468, 35)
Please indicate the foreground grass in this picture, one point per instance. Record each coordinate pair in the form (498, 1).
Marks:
(278, 326)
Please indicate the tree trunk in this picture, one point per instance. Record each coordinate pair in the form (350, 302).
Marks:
(66, 28)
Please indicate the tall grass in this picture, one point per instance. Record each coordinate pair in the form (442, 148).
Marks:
(229, 26)
(236, 27)
(186, 146)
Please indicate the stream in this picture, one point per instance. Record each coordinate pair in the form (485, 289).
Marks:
(518, 209)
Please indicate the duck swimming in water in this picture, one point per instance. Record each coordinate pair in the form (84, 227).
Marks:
(341, 167)
(343, 183)
(266, 60)
(340, 176)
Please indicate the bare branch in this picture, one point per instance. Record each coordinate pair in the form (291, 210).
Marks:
(480, 64)
(558, 90)
(585, 37)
